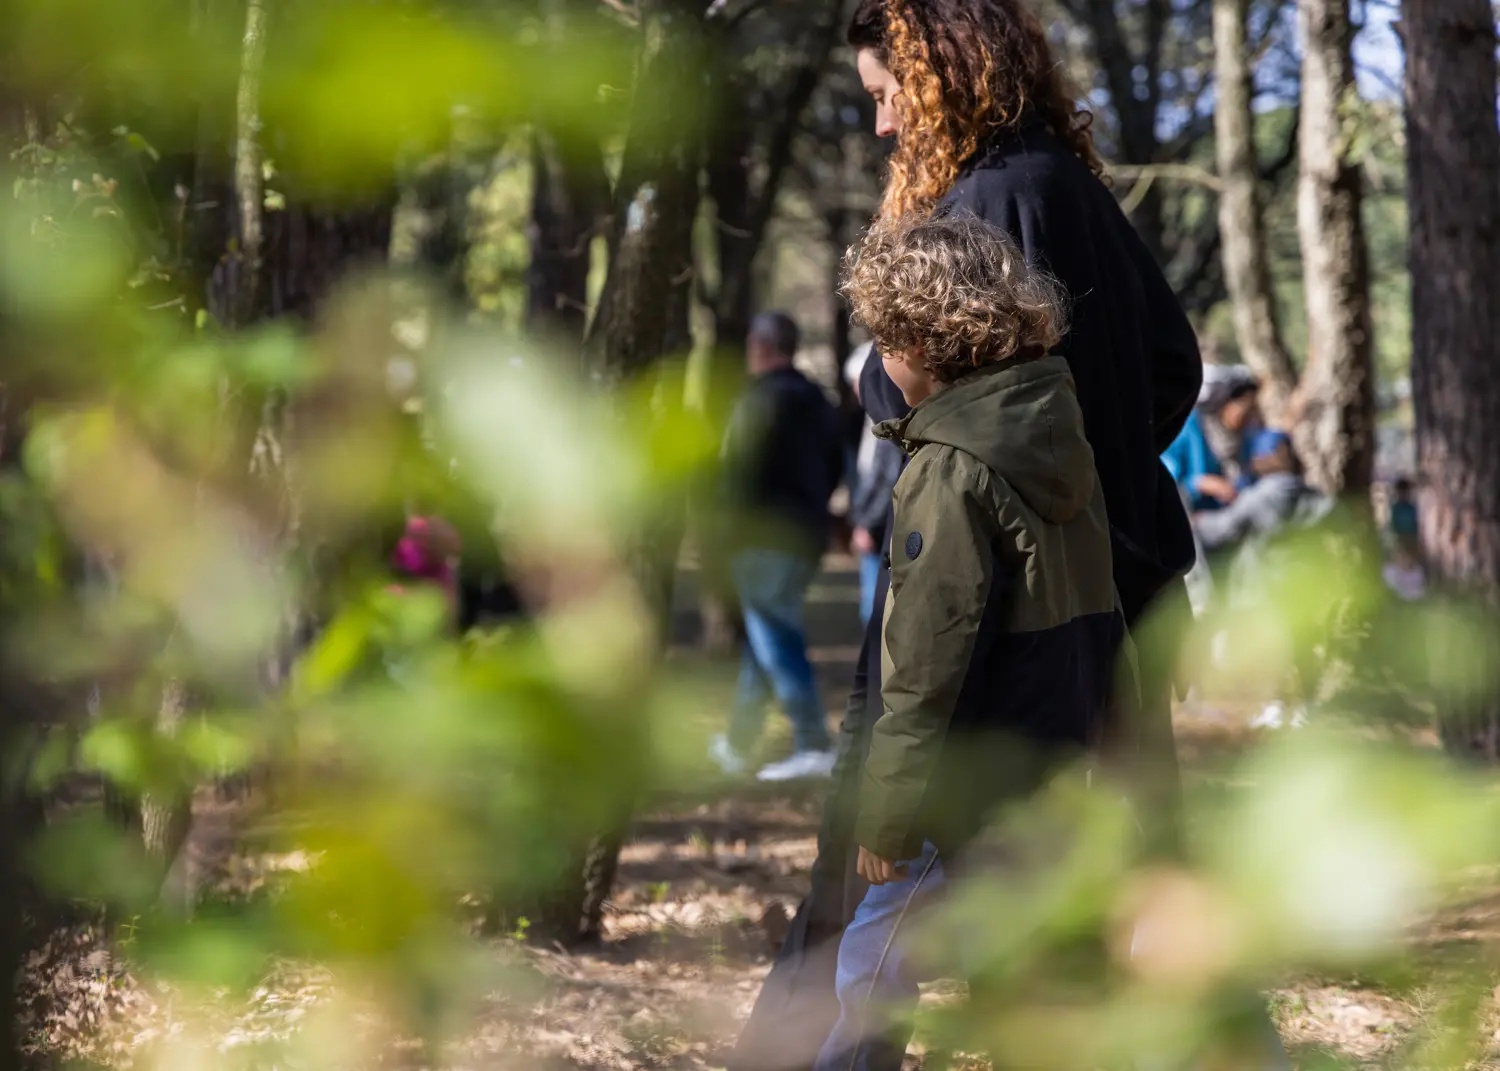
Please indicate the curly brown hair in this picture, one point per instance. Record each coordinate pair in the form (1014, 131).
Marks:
(968, 69)
(955, 286)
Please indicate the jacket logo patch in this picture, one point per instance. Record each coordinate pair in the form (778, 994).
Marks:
(914, 545)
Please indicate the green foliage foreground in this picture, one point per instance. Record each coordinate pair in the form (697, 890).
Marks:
(239, 485)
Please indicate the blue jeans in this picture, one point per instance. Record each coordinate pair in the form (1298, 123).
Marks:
(772, 586)
(876, 982)
(869, 576)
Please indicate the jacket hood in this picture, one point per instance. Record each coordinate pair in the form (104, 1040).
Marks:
(1022, 419)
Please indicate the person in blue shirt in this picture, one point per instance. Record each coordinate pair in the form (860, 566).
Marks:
(1275, 497)
(1210, 474)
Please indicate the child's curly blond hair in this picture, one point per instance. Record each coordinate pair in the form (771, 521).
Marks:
(955, 286)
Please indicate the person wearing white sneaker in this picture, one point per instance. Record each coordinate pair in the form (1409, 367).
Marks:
(726, 758)
(783, 457)
(802, 765)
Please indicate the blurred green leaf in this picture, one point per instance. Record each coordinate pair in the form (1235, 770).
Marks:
(213, 746)
(333, 658)
(82, 856)
(121, 751)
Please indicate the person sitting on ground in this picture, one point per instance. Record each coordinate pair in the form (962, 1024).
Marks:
(1276, 498)
(877, 466)
(1002, 622)
(783, 459)
(1207, 459)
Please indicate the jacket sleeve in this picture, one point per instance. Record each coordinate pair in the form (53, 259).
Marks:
(942, 571)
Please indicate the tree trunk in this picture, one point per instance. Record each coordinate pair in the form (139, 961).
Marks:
(745, 211)
(642, 314)
(731, 147)
(1247, 269)
(1453, 161)
(569, 196)
(1334, 408)
(249, 165)
(167, 814)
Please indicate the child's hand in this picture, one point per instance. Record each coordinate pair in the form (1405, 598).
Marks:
(878, 871)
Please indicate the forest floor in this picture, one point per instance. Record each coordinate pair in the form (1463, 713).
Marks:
(706, 890)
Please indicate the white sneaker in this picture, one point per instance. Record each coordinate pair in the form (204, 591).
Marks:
(1273, 717)
(802, 764)
(730, 761)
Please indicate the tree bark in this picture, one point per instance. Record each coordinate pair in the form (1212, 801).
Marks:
(656, 200)
(1247, 269)
(642, 315)
(167, 814)
(569, 197)
(1334, 408)
(1453, 161)
(249, 166)
(745, 210)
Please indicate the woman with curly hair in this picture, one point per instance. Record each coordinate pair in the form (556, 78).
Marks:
(986, 124)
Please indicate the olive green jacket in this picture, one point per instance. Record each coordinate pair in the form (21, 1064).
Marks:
(1002, 622)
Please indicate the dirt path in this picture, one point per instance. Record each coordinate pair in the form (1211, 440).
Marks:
(705, 892)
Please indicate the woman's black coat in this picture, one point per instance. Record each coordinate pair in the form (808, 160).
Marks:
(1136, 362)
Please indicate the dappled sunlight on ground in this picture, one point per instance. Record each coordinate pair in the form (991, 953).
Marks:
(706, 890)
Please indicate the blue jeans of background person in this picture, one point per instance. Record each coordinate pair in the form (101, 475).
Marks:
(772, 587)
(869, 575)
(876, 982)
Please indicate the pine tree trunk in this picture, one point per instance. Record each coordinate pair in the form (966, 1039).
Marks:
(656, 199)
(249, 165)
(1453, 161)
(569, 197)
(643, 316)
(167, 813)
(1247, 269)
(1334, 408)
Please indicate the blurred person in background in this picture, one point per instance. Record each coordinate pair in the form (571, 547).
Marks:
(1404, 572)
(783, 459)
(1276, 497)
(1208, 458)
(877, 466)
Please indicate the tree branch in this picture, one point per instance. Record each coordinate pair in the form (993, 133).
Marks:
(779, 152)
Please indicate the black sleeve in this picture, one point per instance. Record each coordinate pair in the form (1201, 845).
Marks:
(1175, 364)
(1176, 361)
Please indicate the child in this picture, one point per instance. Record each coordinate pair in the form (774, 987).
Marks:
(1404, 573)
(1002, 623)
